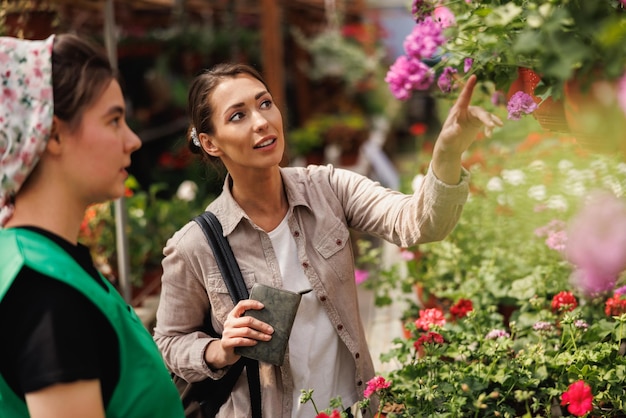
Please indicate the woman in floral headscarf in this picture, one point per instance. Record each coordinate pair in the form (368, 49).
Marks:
(71, 347)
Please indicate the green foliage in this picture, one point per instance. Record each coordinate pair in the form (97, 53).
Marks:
(326, 129)
(151, 221)
(557, 39)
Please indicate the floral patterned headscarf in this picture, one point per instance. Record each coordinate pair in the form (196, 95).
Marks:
(26, 110)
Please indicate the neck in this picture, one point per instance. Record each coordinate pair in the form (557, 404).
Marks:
(262, 197)
(49, 211)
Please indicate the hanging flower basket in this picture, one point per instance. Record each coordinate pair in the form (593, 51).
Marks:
(550, 113)
(594, 116)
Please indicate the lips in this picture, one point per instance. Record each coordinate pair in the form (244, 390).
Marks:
(265, 143)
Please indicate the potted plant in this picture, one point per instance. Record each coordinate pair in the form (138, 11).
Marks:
(151, 221)
(565, 43)
(347, 132)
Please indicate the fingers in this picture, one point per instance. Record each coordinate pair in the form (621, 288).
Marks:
(465, 97)
(240, 329)
(480, 116)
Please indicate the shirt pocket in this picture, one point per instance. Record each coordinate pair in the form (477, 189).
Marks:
(219, 297)
(335, 249)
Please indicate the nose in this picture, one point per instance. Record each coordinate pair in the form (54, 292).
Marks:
(132, 141)
(260, 123)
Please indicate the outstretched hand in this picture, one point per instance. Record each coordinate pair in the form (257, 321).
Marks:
(459, 131)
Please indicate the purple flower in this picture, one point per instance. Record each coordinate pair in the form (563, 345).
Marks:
(597, 243)
(497, 333)
(467, 64)
(408, 74)
(497, 98)
(581, 324)
(424, 40)
(542, 326)
(520, 103)
(446, 79)
(620, 290)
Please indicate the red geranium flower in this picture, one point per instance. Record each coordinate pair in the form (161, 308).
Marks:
(334, 414)
(615, 305)
(428, 338)
(461, 308)
(579, 398)
(563, 301)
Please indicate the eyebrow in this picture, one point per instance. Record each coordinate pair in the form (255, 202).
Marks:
(113, 110)
(256, 97)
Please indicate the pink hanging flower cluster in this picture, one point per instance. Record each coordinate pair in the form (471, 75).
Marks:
(409, 72)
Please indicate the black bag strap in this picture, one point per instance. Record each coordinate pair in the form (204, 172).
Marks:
(224, 256)
(236, 286)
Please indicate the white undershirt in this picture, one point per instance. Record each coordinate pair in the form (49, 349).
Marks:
(318, 359)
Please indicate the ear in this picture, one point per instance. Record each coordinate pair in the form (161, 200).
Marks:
(208, 145)
(54, 142)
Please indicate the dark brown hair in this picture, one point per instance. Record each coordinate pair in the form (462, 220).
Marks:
(200, 107)
(80, 72)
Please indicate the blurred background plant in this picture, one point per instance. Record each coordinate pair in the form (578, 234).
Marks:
(152, 220)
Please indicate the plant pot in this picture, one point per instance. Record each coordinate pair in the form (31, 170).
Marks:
(550, 113)
(594, 116)
(429, 300)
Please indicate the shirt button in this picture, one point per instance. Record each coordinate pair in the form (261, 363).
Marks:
(339, 327)
(357, 355)
(359, 383)
(296, 234)
(305, 265)
(323, 298)
(339, 242)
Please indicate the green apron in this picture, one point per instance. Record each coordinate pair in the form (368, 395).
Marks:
(145, 389)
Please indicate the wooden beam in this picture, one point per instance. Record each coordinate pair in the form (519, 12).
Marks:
(272, 54)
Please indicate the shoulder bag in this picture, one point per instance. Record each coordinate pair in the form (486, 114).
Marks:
(204, 399)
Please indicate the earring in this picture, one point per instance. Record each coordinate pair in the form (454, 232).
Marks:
(194, 137)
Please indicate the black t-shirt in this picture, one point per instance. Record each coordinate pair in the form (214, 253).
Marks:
(51, 333)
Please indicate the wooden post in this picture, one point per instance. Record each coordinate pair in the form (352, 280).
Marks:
(272, 51)
(272, 56)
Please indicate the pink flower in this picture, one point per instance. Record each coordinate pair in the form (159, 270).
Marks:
(519, 104)
(494, 334)
(424, 39)
(596, 243)
(408, 74)
(360, 276)
(430, 317)
(467, 64)
(444, 16)
(579, 398)
(407, 255)
(375, 384)
(446, 79)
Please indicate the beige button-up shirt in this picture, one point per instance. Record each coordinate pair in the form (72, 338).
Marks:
(324, 204)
